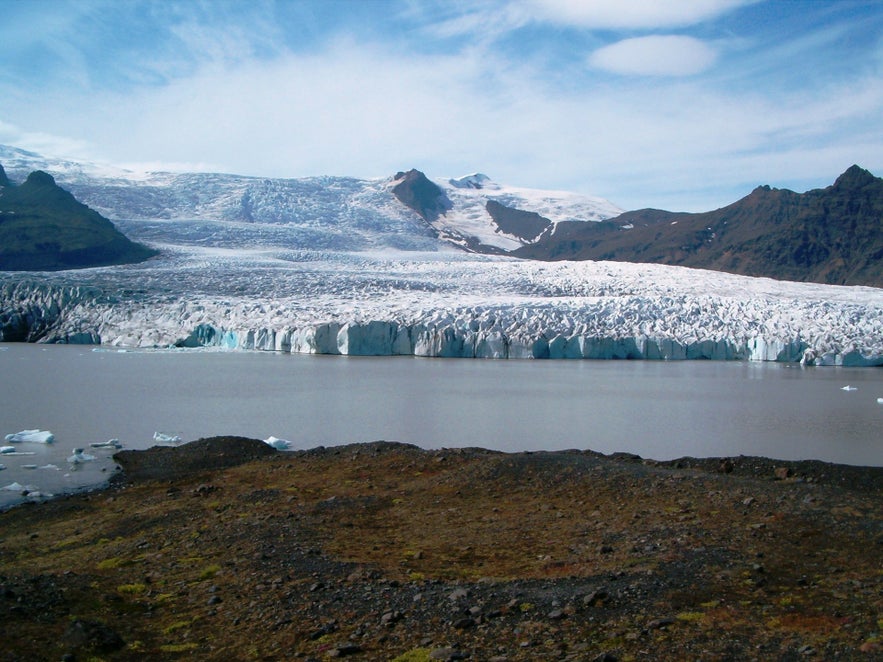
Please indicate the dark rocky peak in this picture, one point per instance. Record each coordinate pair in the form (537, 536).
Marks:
(855, 178)
(4, 180)
(40, 178)
(415, 190)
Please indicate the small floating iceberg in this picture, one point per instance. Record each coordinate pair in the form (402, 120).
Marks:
(166, 438)
(278, 444)
(79, 457)
(880, 401)
(14, 487)
(36, 436)
(848, 388)
(12, 450)
(110, 443)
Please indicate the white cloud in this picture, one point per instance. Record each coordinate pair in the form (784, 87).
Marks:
(655, 55)
(352, 109)
(41, 142)
(630, 14)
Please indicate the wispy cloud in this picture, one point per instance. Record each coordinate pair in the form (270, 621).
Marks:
(655, 55)
(630, 14)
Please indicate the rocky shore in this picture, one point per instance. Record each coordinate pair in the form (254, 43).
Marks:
(224, 549)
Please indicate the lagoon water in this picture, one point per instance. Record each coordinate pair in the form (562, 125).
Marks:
(660, 410)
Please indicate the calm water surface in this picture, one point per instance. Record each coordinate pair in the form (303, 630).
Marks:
(655, 409)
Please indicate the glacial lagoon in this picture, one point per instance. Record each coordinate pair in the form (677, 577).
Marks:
(656, 409)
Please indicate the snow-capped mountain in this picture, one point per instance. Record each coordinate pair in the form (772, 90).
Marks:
(344, 266)
(480, 214)
(328, 213)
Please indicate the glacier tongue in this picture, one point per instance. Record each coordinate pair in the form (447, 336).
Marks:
(443, 305)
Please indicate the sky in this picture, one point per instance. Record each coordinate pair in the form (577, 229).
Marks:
(684, 105)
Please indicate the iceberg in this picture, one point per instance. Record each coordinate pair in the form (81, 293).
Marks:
(14, 487)
(79, 457)
(110, 443)
(5, 450)
(278, 444)
(166, 438)
(848, 388)
(36, 436)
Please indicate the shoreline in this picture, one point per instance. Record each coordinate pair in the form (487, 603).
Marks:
(191, 458)
(227, 549)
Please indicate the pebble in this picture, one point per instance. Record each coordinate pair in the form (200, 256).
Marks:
(446, 654)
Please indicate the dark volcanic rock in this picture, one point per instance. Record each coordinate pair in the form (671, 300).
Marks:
(527, 225)
(414, 190)
(166, 462)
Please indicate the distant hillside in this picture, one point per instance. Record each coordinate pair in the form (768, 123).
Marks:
(44, 228)
(832, 235)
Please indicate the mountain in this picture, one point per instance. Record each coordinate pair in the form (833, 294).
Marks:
(406, 211)
(44, 228)
(832, 235)
(482, 216)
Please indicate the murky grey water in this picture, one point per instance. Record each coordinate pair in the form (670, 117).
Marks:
(655, 409)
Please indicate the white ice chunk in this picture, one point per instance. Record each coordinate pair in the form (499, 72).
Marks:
(38, 436)
(14, 487)
(163, 438)
(278, 444)
(7, 449)
(110, 443)
(849, 388)
(79, 457)
(880, 401)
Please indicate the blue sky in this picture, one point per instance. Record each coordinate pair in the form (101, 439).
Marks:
(682, 105)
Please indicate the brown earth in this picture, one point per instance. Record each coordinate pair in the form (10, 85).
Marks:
(384, 551)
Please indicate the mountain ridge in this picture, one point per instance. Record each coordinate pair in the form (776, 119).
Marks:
(44, 228)
(832, 235)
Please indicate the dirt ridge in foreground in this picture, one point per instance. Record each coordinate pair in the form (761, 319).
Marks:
(226, 549)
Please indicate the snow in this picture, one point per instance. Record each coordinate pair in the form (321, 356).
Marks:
(36, 436)
(469, 215)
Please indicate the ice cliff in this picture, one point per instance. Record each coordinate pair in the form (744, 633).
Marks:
(437, 305)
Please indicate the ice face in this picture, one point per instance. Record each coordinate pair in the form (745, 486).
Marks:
(446, 305)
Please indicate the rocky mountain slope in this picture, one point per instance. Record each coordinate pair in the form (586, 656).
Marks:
(832, 235)
(43, 227)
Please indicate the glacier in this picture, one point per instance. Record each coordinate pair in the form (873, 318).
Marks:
(335, 265)
(442, 305)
